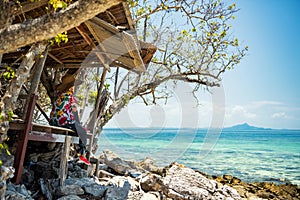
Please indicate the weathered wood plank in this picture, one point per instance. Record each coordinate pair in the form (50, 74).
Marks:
(64, 160)
(48, 137)
(52, 129)
(23, 140)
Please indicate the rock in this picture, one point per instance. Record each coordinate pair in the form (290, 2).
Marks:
(150, 196)
(149, 165)
(229, 192)
(17, 192)
(94, 189)
(236, 180)
(103, 167)
(118, 189)
(11, 187)
(262, 190)
(10, 195)
(115, 162)
(71, 190)
(78, 172)
(22, 190)
(152, 182)
(142, 180)
(103, 174)
(5, 172)
(134, 173)
(79, 181)
(14, 196)
(181, 182)
(135, 186)
(137, 195)
(70, 197)
(227, 177)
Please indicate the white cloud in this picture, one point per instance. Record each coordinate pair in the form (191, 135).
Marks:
(266, 103)
(279, 115)
(183, 113)
(242, 111)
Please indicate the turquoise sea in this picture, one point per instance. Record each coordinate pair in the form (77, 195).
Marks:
(265, 155)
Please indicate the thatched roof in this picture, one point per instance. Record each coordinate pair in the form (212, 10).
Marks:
(108, 38)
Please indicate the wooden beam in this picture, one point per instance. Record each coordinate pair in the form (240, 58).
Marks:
(103, 58)
(50, 137)
(64, 161)
(54, 58)
(85, 36)
(38, 68)
(105, 25)
(23, 140)
(48, 26)
(37, 104)
(128, 15)
(133, 51)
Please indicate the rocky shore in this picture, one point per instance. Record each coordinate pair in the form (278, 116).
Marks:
(120, 179)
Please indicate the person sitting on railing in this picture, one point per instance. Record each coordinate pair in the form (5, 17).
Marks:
(63, 113)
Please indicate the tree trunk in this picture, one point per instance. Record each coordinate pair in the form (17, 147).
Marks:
(9, 100)
(49, 25)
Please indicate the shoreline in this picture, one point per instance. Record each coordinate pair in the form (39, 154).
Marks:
(133, 180)
(251, 156)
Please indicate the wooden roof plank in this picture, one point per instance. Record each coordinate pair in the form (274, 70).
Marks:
(131, 46)
(102, 58)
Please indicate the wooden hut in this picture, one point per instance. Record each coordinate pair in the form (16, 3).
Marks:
(107, 40)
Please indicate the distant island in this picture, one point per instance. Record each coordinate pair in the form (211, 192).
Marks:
(245, 127)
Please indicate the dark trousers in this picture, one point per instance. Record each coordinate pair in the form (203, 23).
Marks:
(74, 128)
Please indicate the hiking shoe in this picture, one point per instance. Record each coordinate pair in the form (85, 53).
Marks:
(84, 160)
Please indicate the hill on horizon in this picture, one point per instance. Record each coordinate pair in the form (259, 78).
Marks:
(245, 126)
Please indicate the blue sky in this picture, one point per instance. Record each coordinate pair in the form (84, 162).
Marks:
(269, 75)
(262, 90)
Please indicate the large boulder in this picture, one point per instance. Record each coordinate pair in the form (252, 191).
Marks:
(181, 182)
(149, 165)
(115, 162)
(117, 188)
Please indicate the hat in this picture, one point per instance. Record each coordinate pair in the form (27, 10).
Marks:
(66, 82)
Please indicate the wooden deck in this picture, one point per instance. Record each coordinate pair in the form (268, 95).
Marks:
(45, 133)
(27, 130)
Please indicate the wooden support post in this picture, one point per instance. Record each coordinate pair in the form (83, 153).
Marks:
(64, 161)
(23, 140)
(38, 69)
(95, 161)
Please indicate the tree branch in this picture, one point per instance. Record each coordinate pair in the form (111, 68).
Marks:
(48, 26)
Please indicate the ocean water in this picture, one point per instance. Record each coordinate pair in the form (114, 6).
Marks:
(268, 155)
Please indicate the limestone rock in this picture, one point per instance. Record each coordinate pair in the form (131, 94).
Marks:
(78, 181)
(71, 190)
(137, 195)
(184, 183)
(261, 190)
(149, 165)
(70, 197)
(17, 192)
(115, 162)
(14, 196)
(118, 189)
(181, 182)
(152, 182)
(150, 196)
(95, 189)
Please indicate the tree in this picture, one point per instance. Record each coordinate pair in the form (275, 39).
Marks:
(194, 43)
